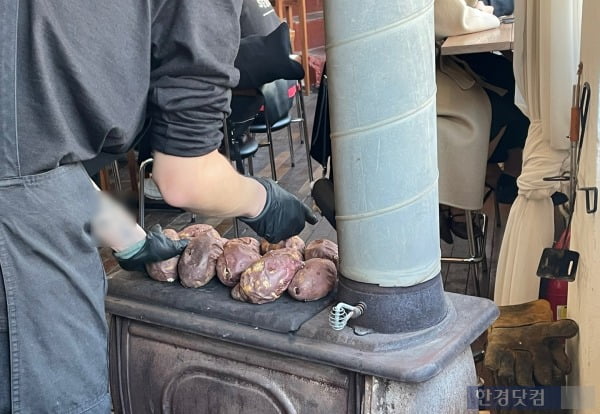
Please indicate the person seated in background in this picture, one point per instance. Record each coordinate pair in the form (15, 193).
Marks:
(509, 126)
(477, 117)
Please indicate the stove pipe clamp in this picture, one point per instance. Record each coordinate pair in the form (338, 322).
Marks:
(341, 313)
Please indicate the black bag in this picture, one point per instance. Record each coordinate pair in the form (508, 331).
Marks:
(501, 7)
(263, 59)
(320, 148)
(324, 196)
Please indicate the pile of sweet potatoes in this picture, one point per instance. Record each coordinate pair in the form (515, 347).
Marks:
(257, 272)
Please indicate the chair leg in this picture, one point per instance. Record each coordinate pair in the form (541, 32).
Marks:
(291, 142)
(497, 218)
(239, 162)
(485, 271)
(250, 166)
(311, 178)
(236, 228)
(239, 165)
(116, 175)
(141, 197)
(104, 180)
(271, 153)
(474, 274)
(299, 111)
(141, 210)
(475, 267)
(226, 142)
(472, 248)
(481, 249)
(304, 132)
(132, 165)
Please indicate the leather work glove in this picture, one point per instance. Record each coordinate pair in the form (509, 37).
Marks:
(157, 247)
(282, 217)
(512, 316)
(518, 355)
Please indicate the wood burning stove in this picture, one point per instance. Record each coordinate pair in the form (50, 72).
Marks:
(178, 350)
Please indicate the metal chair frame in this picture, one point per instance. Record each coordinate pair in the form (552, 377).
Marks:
(476, 254)
(301, 120)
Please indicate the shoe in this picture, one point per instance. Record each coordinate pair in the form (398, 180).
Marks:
(459, 228)
(445, 233)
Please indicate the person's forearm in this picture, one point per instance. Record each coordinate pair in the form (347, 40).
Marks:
(207, 185)
(114, 227)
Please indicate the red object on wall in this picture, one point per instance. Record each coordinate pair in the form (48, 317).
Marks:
(555, 291)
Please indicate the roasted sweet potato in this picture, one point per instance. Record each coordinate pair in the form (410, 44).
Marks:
(322, 249)
(198, 261)
(165, 271)
(250, 242)
(314, 281)
(293, 252)
(294, 242)
(268, 277)
(266, 247)
(238, 255)
(194, 230)
(237, 294)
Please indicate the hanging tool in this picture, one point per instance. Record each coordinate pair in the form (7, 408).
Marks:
(591, 193)
(558, 262)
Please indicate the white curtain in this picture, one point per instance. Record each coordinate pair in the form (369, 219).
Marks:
(546, 56)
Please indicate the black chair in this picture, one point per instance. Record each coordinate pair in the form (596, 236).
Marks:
(279, 97)
(240, 146)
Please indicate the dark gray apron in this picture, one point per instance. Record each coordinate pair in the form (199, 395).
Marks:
(52, 325)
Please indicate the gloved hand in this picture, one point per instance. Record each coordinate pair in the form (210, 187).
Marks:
(283, 216)
(517, 355)
(157, 247)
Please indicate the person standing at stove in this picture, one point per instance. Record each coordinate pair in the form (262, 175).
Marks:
(77, 78)
(263, 56)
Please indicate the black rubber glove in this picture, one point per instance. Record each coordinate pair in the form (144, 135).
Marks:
(283, 216)
(157, 247)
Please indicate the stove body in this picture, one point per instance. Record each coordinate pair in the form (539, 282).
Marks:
(172, 351)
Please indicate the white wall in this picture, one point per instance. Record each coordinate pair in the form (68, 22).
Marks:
(584, 293)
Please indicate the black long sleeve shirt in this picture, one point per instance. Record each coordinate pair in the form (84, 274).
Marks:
(90, 72)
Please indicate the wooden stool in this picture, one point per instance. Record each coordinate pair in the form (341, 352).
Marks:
(285, 10)
(105, 182)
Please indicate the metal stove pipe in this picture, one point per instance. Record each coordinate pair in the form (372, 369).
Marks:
(381, 73)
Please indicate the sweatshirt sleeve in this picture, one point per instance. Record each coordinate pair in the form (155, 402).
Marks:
(194, 44)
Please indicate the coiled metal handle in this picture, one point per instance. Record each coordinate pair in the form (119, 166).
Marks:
(341, 313)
